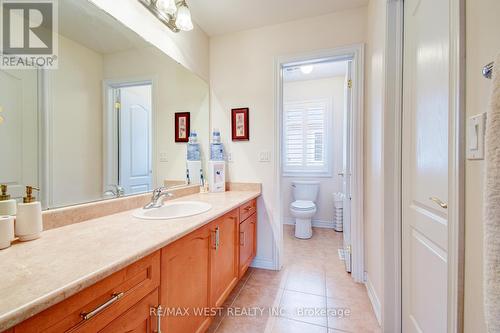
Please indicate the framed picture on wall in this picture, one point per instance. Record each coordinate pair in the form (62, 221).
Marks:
(240, 124)
(182, 126)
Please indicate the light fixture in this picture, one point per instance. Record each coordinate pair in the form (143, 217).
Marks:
(174, 14)
(168, 6)
(306, 69)
(183, 20)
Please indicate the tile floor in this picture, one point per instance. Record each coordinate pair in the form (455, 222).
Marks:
(312, 279)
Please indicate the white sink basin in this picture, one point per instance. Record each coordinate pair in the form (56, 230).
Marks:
(173, 210)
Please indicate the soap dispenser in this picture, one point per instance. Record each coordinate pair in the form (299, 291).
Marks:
(29, 217)
(7, 205)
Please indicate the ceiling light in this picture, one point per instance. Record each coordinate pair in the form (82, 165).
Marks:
(168, 6)
(306, 69)
(183, 20)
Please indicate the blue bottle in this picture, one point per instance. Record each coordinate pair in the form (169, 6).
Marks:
(216, 147)
(193, 148)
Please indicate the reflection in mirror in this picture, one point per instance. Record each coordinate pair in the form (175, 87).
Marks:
(102, 124)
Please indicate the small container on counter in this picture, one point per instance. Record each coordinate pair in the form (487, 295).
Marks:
(6, 231)
(7, 205)
(29, 223)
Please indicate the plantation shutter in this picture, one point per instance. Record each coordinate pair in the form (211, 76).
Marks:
(305, 131)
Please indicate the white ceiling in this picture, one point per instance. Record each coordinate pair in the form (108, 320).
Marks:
(217, 17)
(86, 24)
(319, 71)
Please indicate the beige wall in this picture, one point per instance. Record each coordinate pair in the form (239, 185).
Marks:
(374, 169)
(75, 126)
(177, 90)
(242, 75)
(190, 49)
(483, 44)
(332, 89)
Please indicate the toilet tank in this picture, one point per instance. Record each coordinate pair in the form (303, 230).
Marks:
(305, 190)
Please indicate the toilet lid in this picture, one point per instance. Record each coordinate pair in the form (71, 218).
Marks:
(303, 205)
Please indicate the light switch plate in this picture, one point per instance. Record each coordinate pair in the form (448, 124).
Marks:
(475, 136)
(229, 157)
(163, 156)
(264, 156)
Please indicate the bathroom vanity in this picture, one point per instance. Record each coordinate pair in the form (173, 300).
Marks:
(161, 275)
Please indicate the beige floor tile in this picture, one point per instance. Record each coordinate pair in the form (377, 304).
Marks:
(284, 325)
(304, 307)
(266, 278)
(251, 296)
(359, 319)
(313, 276)
(306, 280)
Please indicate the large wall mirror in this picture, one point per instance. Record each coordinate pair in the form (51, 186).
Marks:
(102, 125)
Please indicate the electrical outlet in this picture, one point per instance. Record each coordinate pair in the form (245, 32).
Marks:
(163, 156)
(264, 156)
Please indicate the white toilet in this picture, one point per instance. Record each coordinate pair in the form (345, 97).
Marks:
(303, 208)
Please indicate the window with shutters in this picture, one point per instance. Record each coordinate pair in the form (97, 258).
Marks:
(306, 143)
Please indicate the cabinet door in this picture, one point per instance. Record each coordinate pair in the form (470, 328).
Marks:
(247, 243)
(137, 319)
(185, 282)
(224, 263)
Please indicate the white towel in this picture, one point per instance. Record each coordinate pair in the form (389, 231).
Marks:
(491, 231)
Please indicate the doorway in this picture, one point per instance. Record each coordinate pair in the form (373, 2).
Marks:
(315, 158)
(129, 133)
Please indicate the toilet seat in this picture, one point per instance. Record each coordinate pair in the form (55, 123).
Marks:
(303, 205)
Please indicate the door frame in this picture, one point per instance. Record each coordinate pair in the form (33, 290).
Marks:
(110, 141)
(392, 213)
(356, 51)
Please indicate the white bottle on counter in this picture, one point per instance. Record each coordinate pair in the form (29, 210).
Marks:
(29, 223)
(7, 205)
(6, 231)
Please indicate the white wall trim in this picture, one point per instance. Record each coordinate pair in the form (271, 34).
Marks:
(356, 52)
(263, 263)
(326, 224)
(390, 310)
(375, 301)
(456, 190)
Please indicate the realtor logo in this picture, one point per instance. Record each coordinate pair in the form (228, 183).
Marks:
(29, 34)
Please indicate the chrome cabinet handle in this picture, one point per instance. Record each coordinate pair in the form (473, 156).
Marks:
(217, 238)
(159, 310)
(242, 238)
(439, 202)
(115, 297)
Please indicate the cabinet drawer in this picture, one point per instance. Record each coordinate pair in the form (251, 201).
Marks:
(137, 319)
(247, 242)
(247, 209)
(101, 303)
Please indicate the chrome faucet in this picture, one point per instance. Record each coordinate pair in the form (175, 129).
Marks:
(116, 191)
(159, 195)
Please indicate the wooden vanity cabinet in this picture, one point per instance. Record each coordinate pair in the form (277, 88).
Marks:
(102, 302)
(185, 281)
(247, 243)
(224, 257)
(196, 272)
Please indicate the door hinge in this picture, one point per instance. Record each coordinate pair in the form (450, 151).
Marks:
(349, 83)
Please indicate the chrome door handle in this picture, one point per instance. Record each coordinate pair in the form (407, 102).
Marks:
(242, 238)
(115, 297)
(217, 238)
(439, 202)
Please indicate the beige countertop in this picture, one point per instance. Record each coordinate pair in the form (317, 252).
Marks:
(38, 274)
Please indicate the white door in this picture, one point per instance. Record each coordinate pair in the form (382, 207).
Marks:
(425, 166)
(18, 130)
(346, 168)
(134, 123)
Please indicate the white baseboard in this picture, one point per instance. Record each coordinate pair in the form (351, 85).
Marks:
(315, 223)
(262, 263)
(377, 308)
